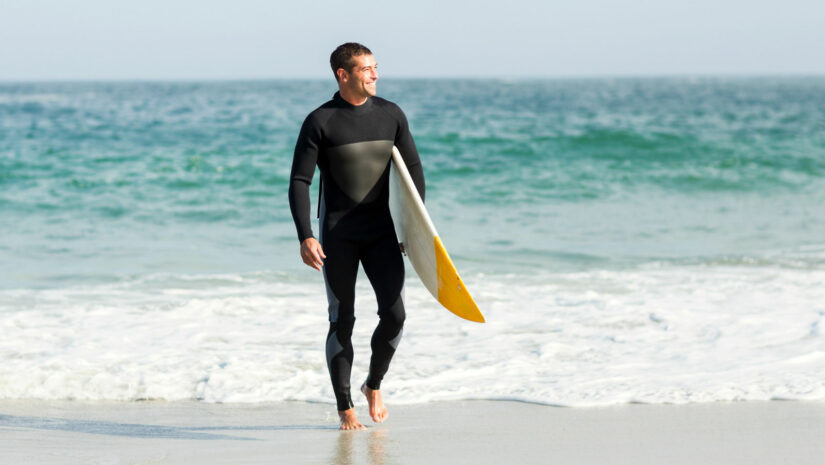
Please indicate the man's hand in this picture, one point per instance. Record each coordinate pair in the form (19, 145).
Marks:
(312, 253)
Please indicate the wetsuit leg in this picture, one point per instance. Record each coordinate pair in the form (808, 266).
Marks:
(340, 270)
(384, 267)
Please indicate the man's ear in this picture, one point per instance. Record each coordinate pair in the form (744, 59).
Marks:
(341, 73)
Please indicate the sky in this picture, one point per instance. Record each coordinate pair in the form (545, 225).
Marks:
(257, 39)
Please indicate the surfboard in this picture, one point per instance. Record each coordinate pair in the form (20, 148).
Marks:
(420, 240)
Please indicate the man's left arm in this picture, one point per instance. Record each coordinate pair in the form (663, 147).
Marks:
(406, 145)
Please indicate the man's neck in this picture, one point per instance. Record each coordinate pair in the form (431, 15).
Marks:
(350, 98)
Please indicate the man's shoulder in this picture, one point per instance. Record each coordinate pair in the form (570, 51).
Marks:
(325, 107)
(321, 114)
(384, 103)
(390, 107)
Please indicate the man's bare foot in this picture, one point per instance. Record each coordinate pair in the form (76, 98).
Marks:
(378, 412)
(349, 421)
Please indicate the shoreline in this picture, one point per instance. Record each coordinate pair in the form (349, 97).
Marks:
(476, 431)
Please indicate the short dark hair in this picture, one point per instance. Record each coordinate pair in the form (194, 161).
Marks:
(342, 56)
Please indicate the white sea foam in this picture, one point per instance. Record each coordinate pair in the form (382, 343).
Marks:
(660, 333)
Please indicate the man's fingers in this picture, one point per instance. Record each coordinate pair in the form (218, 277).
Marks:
(317, 253)
(311, 262)
(311, 258)
(318, 262)
(312, 253)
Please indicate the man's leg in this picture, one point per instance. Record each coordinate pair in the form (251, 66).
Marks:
(340, 270)
(384, 267)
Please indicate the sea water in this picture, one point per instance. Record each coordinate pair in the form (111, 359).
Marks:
(628, 240)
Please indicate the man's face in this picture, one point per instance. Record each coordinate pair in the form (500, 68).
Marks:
(360, 81)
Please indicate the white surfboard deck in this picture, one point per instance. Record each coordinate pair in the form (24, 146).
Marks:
(426, 252)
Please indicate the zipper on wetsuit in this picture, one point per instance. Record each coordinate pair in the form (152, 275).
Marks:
(320, 188)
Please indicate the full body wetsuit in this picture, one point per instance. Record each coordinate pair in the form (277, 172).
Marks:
(352, 147)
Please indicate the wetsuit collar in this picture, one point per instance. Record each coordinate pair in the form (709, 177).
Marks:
(354, 108)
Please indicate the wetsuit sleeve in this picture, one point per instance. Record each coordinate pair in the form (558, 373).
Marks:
(303, 168)
(404, 142)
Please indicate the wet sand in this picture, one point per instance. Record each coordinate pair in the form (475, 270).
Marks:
(465, 432)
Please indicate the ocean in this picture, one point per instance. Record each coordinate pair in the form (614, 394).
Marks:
(656, 240)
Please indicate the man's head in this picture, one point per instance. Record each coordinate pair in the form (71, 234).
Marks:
(355, 70)
(343, 57)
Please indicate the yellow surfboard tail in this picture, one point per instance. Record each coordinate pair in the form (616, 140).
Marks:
(452, 293)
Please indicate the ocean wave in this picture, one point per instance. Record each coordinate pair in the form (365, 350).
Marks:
(658, 334)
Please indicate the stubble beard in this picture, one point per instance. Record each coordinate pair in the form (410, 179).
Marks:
(370, 90)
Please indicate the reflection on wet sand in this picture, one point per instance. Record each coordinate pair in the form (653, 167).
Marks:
(352, 445)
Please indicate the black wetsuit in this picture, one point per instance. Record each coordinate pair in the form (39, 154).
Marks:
(352, 146)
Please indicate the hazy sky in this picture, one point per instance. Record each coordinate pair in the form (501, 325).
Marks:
(205, 39)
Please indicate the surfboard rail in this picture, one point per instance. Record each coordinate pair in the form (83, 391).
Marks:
(424, 248)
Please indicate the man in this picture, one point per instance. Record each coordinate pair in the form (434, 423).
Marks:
(350, 139)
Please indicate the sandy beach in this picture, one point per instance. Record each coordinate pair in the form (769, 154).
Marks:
(477, 432)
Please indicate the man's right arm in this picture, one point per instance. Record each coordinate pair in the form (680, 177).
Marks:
(303, 168)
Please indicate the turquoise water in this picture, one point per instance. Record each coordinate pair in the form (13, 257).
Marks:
(104, 180)
(629, 240)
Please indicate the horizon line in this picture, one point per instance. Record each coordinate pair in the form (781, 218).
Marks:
(558, 77)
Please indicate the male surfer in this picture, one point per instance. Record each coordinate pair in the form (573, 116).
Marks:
(350, 139)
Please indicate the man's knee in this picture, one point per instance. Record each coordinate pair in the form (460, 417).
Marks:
(343, 326)
(393, 315)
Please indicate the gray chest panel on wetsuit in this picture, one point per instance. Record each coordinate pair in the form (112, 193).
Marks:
(357, 167)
